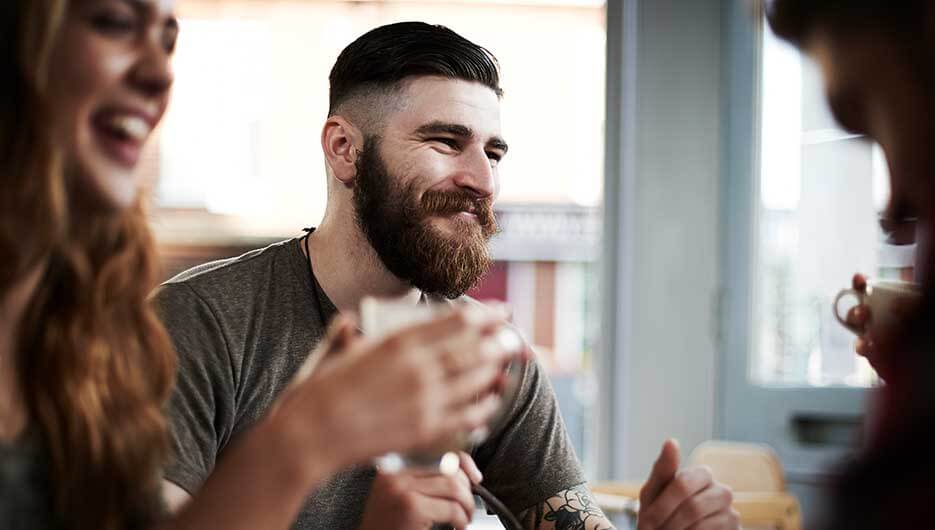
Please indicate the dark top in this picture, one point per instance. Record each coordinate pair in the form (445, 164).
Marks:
(891, 483)
(26, 490)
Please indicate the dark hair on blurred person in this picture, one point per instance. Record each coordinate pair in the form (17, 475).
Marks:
(93, 362)
(379, 60)
(794, 20)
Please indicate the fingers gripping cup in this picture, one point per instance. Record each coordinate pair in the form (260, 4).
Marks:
(888, 301)
(379, 318)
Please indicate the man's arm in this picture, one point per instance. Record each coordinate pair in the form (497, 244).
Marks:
(202, 409)
(574, 509)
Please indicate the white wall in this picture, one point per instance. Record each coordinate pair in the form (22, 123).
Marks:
(667, 228)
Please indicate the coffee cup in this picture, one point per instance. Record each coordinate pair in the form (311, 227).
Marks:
(379, 317)
(887, 301)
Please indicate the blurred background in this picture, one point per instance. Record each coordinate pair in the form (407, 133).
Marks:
(678, 208)
(237, 163)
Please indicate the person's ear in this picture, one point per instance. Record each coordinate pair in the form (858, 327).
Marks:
(341, 142)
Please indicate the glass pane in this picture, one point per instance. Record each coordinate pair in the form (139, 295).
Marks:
(820, 191)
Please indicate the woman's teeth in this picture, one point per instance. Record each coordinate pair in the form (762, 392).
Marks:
(129, 126)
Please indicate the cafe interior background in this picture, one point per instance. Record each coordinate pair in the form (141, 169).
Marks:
(678, 208)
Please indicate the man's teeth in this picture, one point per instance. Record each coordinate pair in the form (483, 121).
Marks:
(132, 127)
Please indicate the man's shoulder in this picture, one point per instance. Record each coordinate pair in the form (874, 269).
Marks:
(239, 274)
(223, 268)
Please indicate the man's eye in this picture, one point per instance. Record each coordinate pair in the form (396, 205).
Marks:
(450, 142)
(494, 156)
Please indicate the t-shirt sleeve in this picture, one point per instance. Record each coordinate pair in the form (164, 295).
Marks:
(201, 412)
(529, 458)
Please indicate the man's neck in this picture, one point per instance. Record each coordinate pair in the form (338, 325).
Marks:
(348, 268)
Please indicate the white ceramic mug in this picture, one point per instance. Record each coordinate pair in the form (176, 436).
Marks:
(884, 298)
(379, 317)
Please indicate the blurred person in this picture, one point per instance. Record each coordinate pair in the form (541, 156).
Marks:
(85, 366)
(412, 144)
(878, 62)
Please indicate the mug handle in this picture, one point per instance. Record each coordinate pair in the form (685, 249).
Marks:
(837, 311)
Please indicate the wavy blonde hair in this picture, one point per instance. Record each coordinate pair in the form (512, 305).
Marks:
(94, 364)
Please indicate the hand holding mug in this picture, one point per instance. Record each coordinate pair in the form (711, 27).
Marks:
(415, 499)
(382, 317)
(881, 306)
(412, 388)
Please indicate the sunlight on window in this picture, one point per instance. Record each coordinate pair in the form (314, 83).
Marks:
(242, 135)
(820, 191)
(781, 158)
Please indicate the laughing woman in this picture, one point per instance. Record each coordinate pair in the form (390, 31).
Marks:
(85, 366)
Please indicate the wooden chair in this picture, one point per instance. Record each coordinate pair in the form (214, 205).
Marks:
(752, 471)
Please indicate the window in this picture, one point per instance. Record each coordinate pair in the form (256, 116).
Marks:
(820, 191)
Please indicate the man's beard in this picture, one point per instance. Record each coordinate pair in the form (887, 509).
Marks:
(397, 224)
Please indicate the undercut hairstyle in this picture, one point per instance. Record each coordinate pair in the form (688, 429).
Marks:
(795, 20)
(379, 61)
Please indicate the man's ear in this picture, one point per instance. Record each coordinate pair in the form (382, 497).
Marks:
(341, 142)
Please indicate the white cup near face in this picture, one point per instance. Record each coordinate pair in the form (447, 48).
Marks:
(886, 299)
(379, 317)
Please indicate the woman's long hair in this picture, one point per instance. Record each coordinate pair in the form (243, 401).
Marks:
(94, 364)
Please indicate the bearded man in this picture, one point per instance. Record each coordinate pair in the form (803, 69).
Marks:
(412, 145)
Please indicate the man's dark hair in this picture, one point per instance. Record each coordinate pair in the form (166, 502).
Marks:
(795, 20)
(383, 57)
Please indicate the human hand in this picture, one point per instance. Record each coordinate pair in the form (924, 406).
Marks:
(690, 498)
(410, 390)
(876, 343)
(415, 500)
(859, 316)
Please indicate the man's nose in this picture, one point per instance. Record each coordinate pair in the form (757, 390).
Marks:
(476, 174)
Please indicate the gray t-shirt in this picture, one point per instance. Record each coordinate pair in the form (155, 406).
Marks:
(243, 327)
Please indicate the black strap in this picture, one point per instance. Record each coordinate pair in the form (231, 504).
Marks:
(313, 283)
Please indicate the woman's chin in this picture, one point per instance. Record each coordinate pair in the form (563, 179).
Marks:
(105, 185)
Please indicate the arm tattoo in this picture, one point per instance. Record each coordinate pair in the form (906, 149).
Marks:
(572, 509)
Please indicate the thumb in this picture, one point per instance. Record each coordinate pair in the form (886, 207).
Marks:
(340, 334)
(667, 464)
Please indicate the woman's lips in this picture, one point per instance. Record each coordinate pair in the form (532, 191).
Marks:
(122, 135)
